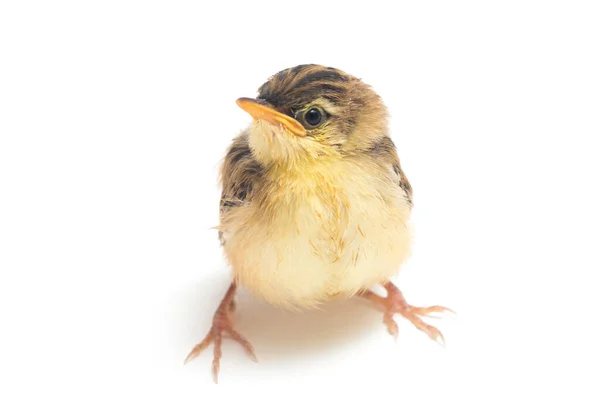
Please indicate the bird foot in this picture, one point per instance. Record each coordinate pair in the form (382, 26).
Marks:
(395, 303)
(222, 324)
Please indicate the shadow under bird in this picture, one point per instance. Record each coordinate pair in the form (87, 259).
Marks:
(315, 205)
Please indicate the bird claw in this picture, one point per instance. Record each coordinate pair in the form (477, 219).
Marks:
(414, 314)
(221, 324)
(395, 303)
(216, 336)
(427, 311)
(435, 335)
(243, 342)
(199, 347)
(392, 326)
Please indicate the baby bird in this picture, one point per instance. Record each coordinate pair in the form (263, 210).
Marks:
(315, 205)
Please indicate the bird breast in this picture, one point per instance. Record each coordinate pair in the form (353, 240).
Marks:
(331, 231)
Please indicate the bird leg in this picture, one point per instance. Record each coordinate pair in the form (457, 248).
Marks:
(395, 303)
(222, 324)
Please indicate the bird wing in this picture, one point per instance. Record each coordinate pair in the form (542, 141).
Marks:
(385, 150)
(239, 173)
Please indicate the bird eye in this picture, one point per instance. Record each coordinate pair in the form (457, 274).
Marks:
(313, 117)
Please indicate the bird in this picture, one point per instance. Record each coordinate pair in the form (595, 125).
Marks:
(314, 204)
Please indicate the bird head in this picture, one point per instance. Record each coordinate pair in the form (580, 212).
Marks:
(311, 112)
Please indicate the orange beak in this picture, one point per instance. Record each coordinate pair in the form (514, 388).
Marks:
(264, 113)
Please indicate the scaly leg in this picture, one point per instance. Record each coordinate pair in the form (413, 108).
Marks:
(395, 303)
(222, 324)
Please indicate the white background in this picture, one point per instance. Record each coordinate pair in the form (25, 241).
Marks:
(114, 116)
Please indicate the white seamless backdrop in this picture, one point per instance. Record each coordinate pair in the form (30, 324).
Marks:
(114, 117)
